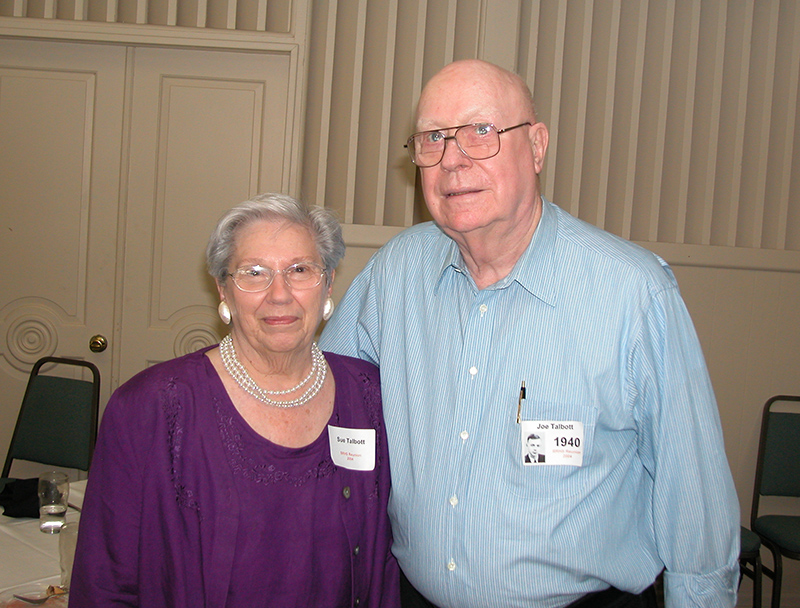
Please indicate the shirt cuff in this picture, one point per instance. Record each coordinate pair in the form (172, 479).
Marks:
(716, 589)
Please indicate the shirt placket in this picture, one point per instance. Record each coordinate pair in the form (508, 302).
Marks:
(471, 401)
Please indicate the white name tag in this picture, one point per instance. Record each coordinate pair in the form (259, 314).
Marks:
(352, 448)
(552, 442)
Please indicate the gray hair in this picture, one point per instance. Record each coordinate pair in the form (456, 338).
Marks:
(321, 224)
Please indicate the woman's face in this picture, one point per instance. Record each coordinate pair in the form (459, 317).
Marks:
(279, 319)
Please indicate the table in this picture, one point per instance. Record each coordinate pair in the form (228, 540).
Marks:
(26, 554)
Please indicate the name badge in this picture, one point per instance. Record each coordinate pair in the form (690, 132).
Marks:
(352, 448)
(551, 442)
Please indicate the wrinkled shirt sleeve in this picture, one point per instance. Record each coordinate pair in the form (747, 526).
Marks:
(681, 446)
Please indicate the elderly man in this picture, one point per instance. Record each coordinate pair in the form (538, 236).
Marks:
(508, 317)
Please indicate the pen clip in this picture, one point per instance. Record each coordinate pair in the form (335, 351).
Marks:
(519, 402)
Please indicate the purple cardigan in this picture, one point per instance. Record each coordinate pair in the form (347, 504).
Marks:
(161, 512)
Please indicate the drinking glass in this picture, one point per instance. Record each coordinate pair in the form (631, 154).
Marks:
(53, 495)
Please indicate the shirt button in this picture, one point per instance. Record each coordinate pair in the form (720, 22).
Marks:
(346, 492)
(451, 565)
(483, 308)
(473, 370)
(454, 500)
(356, 601)
(464, 435)
(357, 550)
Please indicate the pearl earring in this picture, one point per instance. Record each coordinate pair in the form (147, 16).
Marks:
(327, 310)
(224, 312)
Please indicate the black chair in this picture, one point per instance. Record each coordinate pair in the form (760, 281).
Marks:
(778, 474)
(57, 422)
(750, 563)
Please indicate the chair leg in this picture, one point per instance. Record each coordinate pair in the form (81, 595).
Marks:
(752, 568)
(742, 572)
(776, 581)
(757, 583)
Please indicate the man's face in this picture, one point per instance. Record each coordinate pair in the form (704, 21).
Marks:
(465, 195)
(534, 446)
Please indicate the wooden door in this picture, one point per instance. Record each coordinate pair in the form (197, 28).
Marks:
(60, 124)
(115, 164)
(222, 134)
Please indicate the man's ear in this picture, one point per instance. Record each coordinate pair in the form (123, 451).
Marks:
(539, 137)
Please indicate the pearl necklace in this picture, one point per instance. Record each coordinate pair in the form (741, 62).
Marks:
(234, 367)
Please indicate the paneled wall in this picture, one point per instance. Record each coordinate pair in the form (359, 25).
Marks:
(673, 124)
(241, 15)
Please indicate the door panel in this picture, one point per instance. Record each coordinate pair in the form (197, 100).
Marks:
(59, 187)
(223, 135)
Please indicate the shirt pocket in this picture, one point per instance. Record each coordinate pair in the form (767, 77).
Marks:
(544, 482)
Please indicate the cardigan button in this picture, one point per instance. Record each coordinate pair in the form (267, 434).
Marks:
(346, 492)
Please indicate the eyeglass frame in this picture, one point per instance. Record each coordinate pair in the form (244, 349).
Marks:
(499, 132)
(323, 272)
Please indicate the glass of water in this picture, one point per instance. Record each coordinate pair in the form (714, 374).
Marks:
(53, 495)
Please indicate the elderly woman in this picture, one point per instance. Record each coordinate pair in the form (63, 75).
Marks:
(254, 473)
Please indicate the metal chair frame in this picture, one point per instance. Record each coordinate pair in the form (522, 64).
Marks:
(775, 573)
(750, 566)
(13, 449)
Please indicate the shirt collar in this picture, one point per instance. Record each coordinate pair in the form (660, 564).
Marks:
(534, 271)
(451, 260)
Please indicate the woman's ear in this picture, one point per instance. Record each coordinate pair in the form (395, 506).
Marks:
(330, 282)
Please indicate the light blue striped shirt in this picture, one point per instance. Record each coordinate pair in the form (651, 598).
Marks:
(597, 329)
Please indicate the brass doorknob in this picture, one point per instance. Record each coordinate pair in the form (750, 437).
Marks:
(98, 343)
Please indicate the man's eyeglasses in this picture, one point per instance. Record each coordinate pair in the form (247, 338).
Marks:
(477, 141)
(304, 275)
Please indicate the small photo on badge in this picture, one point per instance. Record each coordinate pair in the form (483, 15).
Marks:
(552, 442)
(533, 448)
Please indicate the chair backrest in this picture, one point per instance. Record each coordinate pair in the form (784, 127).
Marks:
(778, 465)
(57, 422)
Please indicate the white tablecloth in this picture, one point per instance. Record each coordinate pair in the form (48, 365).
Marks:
(28, 555)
